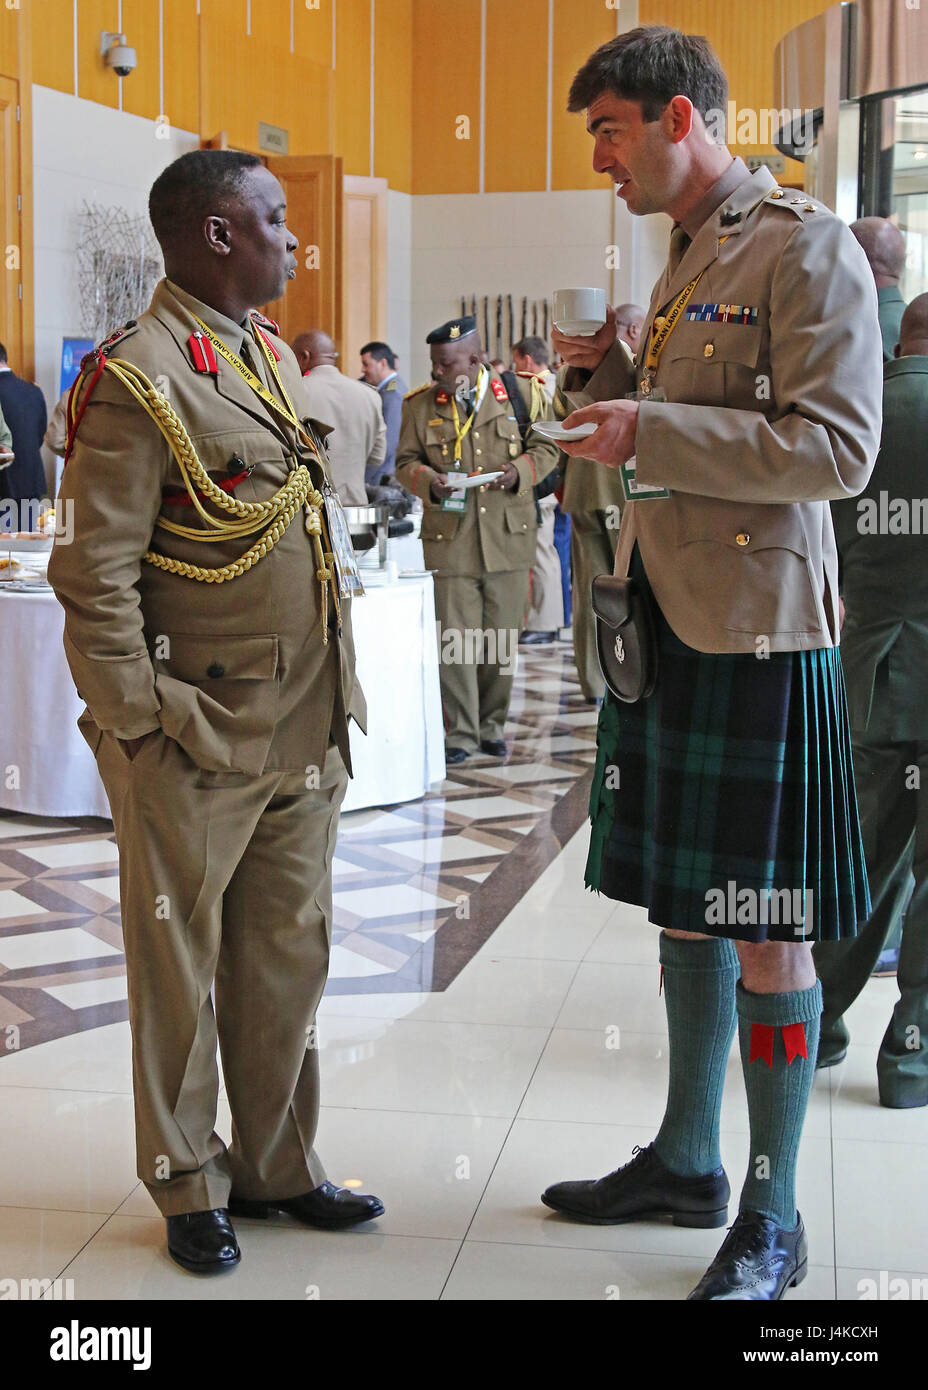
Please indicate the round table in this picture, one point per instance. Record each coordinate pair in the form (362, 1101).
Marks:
(46, 768)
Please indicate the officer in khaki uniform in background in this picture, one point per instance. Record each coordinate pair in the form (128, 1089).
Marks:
(482, 542)
(205, 632)
(592, 498)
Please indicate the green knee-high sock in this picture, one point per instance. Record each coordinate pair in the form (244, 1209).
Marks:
(699, 989)
(778, 1093)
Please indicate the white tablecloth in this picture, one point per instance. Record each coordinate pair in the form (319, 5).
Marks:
(46, 768)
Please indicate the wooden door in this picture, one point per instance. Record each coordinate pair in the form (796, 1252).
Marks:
(313, 188)
(365, 213)
(12, 250)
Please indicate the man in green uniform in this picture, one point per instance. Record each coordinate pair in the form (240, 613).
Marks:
(884, 247)
(479, 540)
(205, 632)
(884, 649)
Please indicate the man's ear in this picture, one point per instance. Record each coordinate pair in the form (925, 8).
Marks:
(217, 234)
(677, 118)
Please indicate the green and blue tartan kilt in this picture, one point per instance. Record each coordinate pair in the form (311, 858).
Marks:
(735, 774)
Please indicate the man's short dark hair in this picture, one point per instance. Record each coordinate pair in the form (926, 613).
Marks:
(195, 186)
(381, 352)
(3, 356)
(535, 348)
(651, 65)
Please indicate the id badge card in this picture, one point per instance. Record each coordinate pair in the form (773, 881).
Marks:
(457, 502)
(635, 491)
(346, 565)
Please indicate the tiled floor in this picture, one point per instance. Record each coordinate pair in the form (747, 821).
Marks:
(468, 1061)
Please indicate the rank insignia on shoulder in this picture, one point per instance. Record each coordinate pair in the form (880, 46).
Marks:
(391, 385)
(417, 391)
(104, 347)
(203, 353)
(499, 390)
(264, 321)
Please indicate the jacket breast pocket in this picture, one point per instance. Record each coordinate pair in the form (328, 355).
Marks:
(199, 659)
(713, 364)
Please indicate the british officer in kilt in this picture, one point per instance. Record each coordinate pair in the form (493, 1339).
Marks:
(724, 803)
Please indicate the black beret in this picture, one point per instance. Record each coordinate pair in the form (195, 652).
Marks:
(452, 330)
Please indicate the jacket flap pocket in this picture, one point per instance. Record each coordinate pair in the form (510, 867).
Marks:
(196, 657)
(520, 521)
(612, 600)
(438, 525)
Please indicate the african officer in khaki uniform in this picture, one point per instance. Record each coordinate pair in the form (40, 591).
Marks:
(724, 802)
(205, 633)
(482, 544)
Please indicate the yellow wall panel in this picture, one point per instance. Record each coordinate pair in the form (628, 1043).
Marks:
(53, 46)
(516, 136)
(353, 84)
(270, 22)
(140, 91)
(393, 93)
(94, 81)
(446, 85)
(181, 64)
(580, 26)
(9, 42)
(312, 31)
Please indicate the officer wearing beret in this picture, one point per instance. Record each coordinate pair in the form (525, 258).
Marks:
(481, 541)
(205, 631)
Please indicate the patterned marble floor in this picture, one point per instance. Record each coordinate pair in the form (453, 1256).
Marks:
(418, 887)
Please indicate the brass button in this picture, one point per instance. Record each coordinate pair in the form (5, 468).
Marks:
(483, 509)
(809, 207)
(709, 350)
(778, 194)
(439, 537)
(742, 538)
(215, 671)
(476, 434)
(478, 451)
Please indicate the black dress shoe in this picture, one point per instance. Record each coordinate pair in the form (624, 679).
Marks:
(758, 1260)
(536, 639)
(203, 1241)
(328, 1207)
(495, 747)
(456, 755)
(645, 1188)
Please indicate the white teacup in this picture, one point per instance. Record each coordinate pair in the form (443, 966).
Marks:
(579, 313)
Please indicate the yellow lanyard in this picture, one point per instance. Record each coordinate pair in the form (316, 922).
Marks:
(286, 410)
(663, 326)
(459, 433)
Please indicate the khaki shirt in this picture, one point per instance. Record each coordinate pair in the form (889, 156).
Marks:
(498, 529)
(359, 435)
(237, 672)
(768, 417)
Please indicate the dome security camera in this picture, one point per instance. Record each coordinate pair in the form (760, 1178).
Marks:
(117, 55)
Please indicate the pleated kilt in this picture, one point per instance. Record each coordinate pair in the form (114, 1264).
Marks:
(725, 802)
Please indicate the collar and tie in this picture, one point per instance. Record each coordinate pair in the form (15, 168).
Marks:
(679, 245)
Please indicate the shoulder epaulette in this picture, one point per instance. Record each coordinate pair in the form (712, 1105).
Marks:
(532, 376)
(798, 203)
(417, 391)
(91, 358)
(264, 322)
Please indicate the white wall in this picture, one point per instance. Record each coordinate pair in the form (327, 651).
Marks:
(82, 152)
(523, 244)
(399, 277)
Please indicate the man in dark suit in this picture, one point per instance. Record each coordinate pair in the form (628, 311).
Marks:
(378, 367)
(23, 407)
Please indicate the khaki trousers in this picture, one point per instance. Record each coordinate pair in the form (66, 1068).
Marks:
(545, 611)
(592, 552)
(224, 878)
(479, 621)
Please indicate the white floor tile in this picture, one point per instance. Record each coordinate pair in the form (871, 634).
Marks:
(128, 1259)
(50, 947)
(857, 1110)
(66, 1150)
(451, 1068)
(85, 993)
(390, 901)
(96, 1059)
(881, 1216)
(36, 1244)
(74, 854)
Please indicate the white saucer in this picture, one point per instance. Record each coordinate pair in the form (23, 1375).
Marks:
(553, 429)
